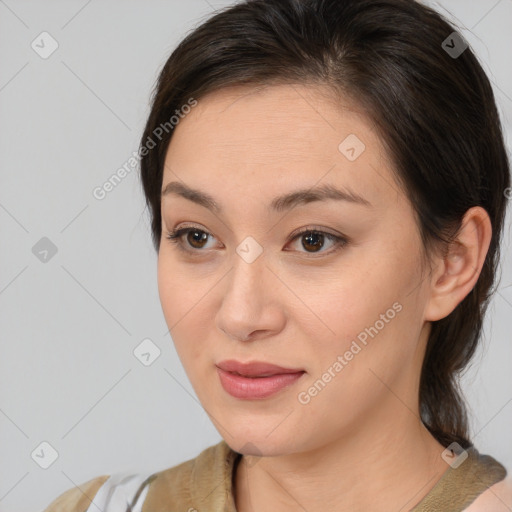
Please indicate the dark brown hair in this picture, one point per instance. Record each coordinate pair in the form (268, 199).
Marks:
(435, 112)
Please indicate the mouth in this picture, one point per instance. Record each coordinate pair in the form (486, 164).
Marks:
(255, 380)
(255, 369)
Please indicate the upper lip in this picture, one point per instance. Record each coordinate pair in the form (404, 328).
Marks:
(255, 368)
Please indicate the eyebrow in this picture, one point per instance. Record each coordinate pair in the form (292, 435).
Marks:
(278, 204)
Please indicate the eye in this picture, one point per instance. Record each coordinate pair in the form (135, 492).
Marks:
(312, 238)
(195, 237)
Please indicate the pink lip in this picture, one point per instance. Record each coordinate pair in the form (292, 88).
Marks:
(244, 380)
(255, 368)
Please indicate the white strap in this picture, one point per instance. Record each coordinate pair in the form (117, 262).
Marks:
(118, 493)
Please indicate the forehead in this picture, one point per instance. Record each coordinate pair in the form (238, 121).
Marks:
(274, 135)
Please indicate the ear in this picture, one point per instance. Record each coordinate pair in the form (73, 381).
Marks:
(457, 272)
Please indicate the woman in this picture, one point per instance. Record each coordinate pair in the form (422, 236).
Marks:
(327, 181)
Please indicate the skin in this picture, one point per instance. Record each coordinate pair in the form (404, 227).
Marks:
(359, 443)
(498, 498)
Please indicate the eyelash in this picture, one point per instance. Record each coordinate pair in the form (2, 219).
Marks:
(175, 236)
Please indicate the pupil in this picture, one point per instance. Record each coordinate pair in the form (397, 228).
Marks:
(202, 236)
(313, 236)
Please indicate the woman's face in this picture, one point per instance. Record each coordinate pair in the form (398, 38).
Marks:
(346, 313)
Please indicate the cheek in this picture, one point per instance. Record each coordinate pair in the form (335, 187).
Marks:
(350, 377)
(184, 305)
(366, 315)
(336, 305)
(177, 300)
(178, 294)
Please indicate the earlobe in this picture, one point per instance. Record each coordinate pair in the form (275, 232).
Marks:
(458, 270)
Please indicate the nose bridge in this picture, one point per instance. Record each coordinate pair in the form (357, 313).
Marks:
(248, 273)
(246, 303)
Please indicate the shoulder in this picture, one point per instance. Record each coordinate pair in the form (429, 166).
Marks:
(497, 498)
(78, 498)
(106, 493)
(173, 487)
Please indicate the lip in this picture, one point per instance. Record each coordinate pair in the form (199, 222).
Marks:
(255, 368)
(255, 380)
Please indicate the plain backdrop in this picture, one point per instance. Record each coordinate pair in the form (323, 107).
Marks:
(78, 289)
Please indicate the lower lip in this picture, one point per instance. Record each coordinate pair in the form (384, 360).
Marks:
(255, 388)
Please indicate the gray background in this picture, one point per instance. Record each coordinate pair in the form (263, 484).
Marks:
(69, 325)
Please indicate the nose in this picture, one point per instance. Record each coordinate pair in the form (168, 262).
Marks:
(252, 306)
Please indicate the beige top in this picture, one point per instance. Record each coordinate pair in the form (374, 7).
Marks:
(205, 483)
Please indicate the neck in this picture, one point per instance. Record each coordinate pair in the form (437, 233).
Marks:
(393, 471)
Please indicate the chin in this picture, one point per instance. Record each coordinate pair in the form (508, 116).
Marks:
(260, 445)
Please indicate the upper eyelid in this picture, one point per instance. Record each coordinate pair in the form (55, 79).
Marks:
(295, 233)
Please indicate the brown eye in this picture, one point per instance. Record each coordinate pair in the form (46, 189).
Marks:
(196, 238)
(313, 239)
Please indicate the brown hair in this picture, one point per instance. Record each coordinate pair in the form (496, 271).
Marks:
(435, 112)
